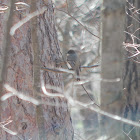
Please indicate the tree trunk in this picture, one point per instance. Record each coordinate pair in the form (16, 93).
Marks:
(132, 70)
(33, 46)
(111, 98)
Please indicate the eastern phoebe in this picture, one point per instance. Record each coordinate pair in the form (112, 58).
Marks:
(73, 62)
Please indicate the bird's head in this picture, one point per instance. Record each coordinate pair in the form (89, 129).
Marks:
(71, 52)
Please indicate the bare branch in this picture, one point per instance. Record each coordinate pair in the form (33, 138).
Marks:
(115, 117)
(79, 23)
(92, 66)
(3, 8)
(26, 19)
(19, 95)
(127, 135)
(3, 124)
(58, 70)
(43, 87)
(89, 96)
(21, 6)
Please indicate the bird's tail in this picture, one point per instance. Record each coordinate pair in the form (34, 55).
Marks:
(77, 74)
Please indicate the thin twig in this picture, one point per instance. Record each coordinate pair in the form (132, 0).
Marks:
(78, 22)
(127, 136)
(89, 96)
(92, 66)
(58, 70)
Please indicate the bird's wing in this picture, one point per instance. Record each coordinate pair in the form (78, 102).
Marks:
(71, 64)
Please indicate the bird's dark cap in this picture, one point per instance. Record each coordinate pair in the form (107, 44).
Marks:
(70, 52)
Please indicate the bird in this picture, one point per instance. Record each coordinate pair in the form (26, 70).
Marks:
(73, 63)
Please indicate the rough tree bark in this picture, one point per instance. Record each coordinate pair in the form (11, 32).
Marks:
(32, 46)
(131, 74)
(113, 19)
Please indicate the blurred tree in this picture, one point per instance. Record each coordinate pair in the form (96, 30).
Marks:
(111, 98)
(32, 46)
